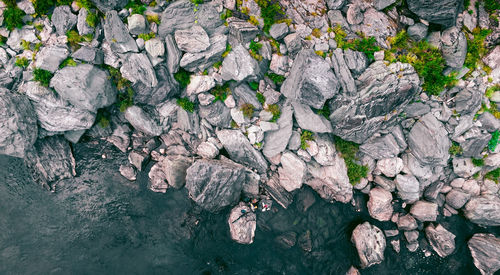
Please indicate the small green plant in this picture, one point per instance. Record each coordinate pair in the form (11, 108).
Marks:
(274, 109)
(227, 51)
(247, 109)
(253, 20)
(42, 7)
(22, 62)
(125, 99)
(221, 92)
(86, 4)
(226, 14)
(254, 50)
(153, 18)
(147, 36)
(261, 98)
(491, 5)
(68, 62)
(42, 76)
(197, 2)
(321, 53)
(348, 150)
(153, 4)
(316, 33)
(276, 78)
(118, 80)
(475, 48)
(366, 45)
(102, 118)
(92, 19)
(217, 64)
(185, 104)
(491, 90)
(325, 111)
(254, 85)
(478, 162)
(492, 144)
(270, 11)
(455, 149)
(234, 125)
(183, 77)
(13, 17)
(136, 6)
(3, 40)
(25, 44)
(74, 39)
(304, 137)
(493, 175)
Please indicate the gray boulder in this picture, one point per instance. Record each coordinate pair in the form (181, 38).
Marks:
(474, 145)
(309, 120)
(173, 54)
(454, 47)
(216, 114)
(464, 167)
(382, 147)
(90, 55)
(343, 73)
(382, 4)
(416, 109)
(117, 35)
(293, 43)
(428, 141)
(154, 47)
(292, 171)
(335, 4)
(483, 210)
(311, 81)
(242, 30)
(84, 86)
(177, 16)
(441, 240)
(425, 211)
(331, 182)
(278, 31)
(240, 149)
(276, 141)
(457, 199)
(192, 40)
(370, 244)
(137, 68)
(63, 19)
(54, 113)
(418, 31)
(18, 125)
(242, 224)
(49, 58)
(107, 5)
(142, 121)
(215, 184)
(167, 88)
(244, 94)
(443, 12)
(169, 172)
(136, 24)
(408, 187)
(82, 26)
(381, 90)
(239, 65)
(205, 59)
(485, 250)
(377, 24)
(489, 122)
(355, 61)
(379, 205)
(390, 167)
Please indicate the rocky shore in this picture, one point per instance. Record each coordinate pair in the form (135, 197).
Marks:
(241, 101)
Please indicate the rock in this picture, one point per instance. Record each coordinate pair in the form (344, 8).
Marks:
(381, 88)
(416, 109)
(18, 125)
(454, 47)
(331, 182)
(240, 149)
(192, 40)
(489, 122)
(50, 160)
(309, 120)
(457, 199)
(241, 30)
(205, 59)
(49, 58)
(138, 159)
(117, 34)
(441, 240)
(311, 82)
(381, 147)
(242, 223)
(136, 24)
(443, 13)
(177, 16)
(408, 187)
(276, 142)
(107, 5)
(82, 26)
(468, 101)
(243, 94)
(492, 160)
(407, 223)
(327, 154)
(292, 172)
(142, 121)
(207, 150)
(137, 68)
(169, 172)
(173, 54)
(90, 55)
(411, 237)
(128, 171)
(293, 43)
(279, 64)
(428, 141)
(382, 4)
(464, 167)
(214, 184)
(120, 137)
(63, 20)
(418, 31)
(475, 144)
(166, 88)
(216, 114)
(425, 211)
(356, 61)
(485, 250)
(54, 113)
(239, 65)
(378, 25)
(379, 205)
(200, 84)
(483, 210)
(277, 192)
(390, 167)
(354, 14)
(155, 47)
(492, 59)
(335, 4)
(343, 73)
(278, 31)
(370, 244)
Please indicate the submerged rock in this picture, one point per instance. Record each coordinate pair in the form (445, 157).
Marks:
(370, 244)
(441, 240)
(242, 223)
(485, 250)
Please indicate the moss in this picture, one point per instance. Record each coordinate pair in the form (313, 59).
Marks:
(68, 62)
(254, 50)
(304, 137)
(348, 150)
(118, 80)
(13, 18)
(492, 144)
(226, 14)
(475, 48)
(22, 62)
(254, 85)
(366, 45)
(183, 77)
(276, 78)
(217, 64)
(455, 149)
(92, 19)
(247, 109)
(234, 125)
(478, 162)
(221, 92)
(25, 44)
(102, 118)
(3, 40)
(9, 3)
(491, 90)
(275, 45)
(136, 6)
(147, 36)
(491, 5)
(125, 99)
(325, 111)
(42, 76)
(42, 7)
(316, 33)
(185, 104)
(261, 98)
(153, 4)
(227, 51)
(86, 4)
(74, 39)
(270, 11)
(321, 53)
(197, 2)
(153, 18)
(493, 175)
(275, 111)
(466, 4)
(253, 21)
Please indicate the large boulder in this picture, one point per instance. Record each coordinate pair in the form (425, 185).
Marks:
(216, 114)
(84, 86)
(441, 240)
(379, 205)
(192, 40)
(169, 172)
(485, 250)
(408, 187)
(331, 182)
(292, 171)
(276, 141)
(49, 58)
(239, 65)
(483, 210)
(343, 73)
(428, 141)
(381, 89)
(137, 68)
(376, 24)
(183, 14)
(18, 126)
(442, 12)
(166, 88)
(309, 120)
(242, 224)
(201, 60)
(117, 34)
(63, 19)
(370, 244)
(425, 211)
(142, 121)
(215, 184)
(107, 5)
(240, 149)
(311, 81)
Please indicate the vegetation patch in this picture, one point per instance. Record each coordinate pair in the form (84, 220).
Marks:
(276, 78)
(475, 47)
(74, 39)
(68, 62)
(316, 33)
(261, 98)
(491, 90)
(42, 76)
(183, 77)
(455, 149)
(147, 36)
(492, 144)
(270, 11)
(254, 85)
(254, 50)
(348, 151)
(247, 109)
(118, 80)
(493, 175)
(125, 99)
(13, 17)
(22, 62)
(137, 6)
(274, 109)
(325, 111)
(304, 137)
(92, 19)
(186, 104)
(221, 92)
(364, 44)
(227, 51)
(153, 18)
(3, 40)
(478, 162)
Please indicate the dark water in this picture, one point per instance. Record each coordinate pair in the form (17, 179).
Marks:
(99, 223)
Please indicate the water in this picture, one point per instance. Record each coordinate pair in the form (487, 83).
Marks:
(99, 223)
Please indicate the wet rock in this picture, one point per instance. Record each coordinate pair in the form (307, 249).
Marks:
(441, 240)
(457, 199)
(343, 73)
(242, 223)
(120, 137)
(485, 250)
(408, 187)
(379, 205)
(305, 199)
(331, 182)
(214, 184)
(216, 114)
(241, 30)
(454, 47)
(443, 13)
(49, 58)
(396, 245)
(137, 68)
(276, 142)
(278, 31)
(84, 86)
(390, 167)
(169, 172)
(240, 149)
(63, 20)
(483, 210)
(239, 65)
(311, 82)
(428, 141)
(287, 240)
(305, 241)
(407, 223)
(117, 35)
(50, 160)
(192, 40)
(425, 211)
(309, 120)
(18, 125)
(138, 159)
(292, 172)
(142, 121)
(370, 244)
(128, 171)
